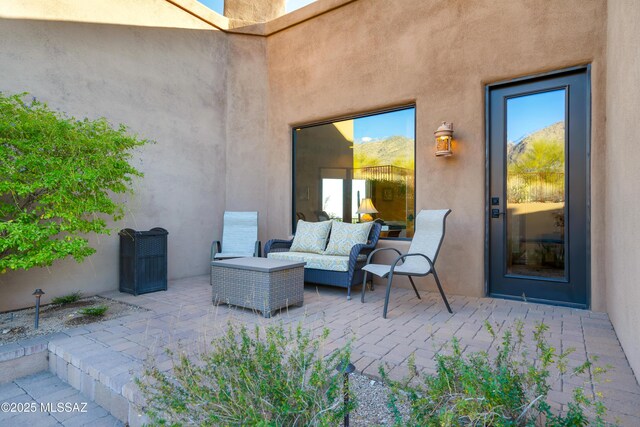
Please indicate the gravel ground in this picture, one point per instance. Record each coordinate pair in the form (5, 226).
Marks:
(18, 325)
(372, 403)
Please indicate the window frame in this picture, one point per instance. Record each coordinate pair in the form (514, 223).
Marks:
(294, 128)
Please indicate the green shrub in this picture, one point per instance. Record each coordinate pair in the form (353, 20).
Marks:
(67, 299)
(511, 390)
(95, 311)
(273, 378)
(58, 176)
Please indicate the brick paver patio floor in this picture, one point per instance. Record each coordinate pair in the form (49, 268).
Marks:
(42, 392)
(185, 319)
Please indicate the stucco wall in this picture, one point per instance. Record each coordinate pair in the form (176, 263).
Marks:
(254, 10)
(166, 84)
(246, 125)
(152, 13)
(439, 54)
(623, 175)
(222, 106)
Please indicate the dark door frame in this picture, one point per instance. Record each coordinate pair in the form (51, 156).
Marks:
(487, 214)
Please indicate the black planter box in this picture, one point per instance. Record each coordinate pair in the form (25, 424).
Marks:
(143, 260)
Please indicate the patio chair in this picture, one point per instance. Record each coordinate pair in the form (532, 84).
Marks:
(239, 237)
(419, 261)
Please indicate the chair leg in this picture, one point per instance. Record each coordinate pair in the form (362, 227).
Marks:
(386, 299)
(414, 287)
(349, 292)
(444, 298)
(364, 286)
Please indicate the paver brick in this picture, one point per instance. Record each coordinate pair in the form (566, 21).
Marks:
(421, 327)
(9, 390)
(61, 368)
(11, 351)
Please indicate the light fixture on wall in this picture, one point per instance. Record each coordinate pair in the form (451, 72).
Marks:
(366, 209)
(444, 135)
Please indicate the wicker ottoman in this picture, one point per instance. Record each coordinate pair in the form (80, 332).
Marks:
(261, 284)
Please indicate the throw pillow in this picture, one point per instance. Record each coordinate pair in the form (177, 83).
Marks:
(311, 236)
(344, 236)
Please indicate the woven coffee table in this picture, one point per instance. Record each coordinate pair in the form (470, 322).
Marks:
(262, 284)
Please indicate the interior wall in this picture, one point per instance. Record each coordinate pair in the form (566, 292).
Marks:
(321, 147)
(623, 157)
(439, 54)
(168, 85)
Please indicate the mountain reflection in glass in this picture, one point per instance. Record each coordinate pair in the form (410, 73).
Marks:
(339, 164)
(535, 189)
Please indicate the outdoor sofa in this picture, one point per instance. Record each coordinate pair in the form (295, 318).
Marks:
(335, 262)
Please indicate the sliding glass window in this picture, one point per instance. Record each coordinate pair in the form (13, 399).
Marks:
(356, 170)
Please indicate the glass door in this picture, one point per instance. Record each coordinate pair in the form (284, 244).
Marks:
(538, 229)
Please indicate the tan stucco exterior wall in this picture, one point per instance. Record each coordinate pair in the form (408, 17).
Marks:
(439, 54)
(150, 13)
(247, 115)
(168, 85)
(623, 175)
(221, 108)
(254, 10)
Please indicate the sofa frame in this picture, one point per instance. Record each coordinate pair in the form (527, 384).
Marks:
(342, 279)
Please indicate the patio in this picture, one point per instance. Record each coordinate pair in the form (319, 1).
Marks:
(101, 359)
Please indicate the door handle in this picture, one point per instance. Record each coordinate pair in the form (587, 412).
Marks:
(495, 213)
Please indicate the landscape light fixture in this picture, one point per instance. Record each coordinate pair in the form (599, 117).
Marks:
(444, 135)
(38, 293)
(366, 209)
(345, 368)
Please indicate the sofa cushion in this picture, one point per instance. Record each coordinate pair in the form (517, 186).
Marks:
(311, 236)
(317, 261)
(345, 235)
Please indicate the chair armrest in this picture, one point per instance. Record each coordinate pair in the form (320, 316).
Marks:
(402, 258)
(257, 252)
(277, 245)
(216, 247)
(370, 257)
(356, 251)
(360, 249)
(366, 248)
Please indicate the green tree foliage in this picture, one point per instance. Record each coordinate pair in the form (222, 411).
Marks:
(57, 179)
(536, 170)
(542, 156)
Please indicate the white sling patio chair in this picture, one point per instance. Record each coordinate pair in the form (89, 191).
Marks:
(239, 237)
(419, 261)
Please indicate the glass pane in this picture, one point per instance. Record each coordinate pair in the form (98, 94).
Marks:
(340, 164)
(535, 208)
(332, 198)
(359, 190)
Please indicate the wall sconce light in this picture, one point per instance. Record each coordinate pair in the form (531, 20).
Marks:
(444, 136)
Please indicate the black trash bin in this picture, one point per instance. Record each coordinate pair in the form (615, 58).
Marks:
(143, 260)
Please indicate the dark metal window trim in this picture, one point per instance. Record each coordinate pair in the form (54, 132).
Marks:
(487, 211)
(352, 117)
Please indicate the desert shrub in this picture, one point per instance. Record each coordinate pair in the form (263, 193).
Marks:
(509, 390)
(58, 177)
(271, 377)
(67, 299)
(95, 311)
